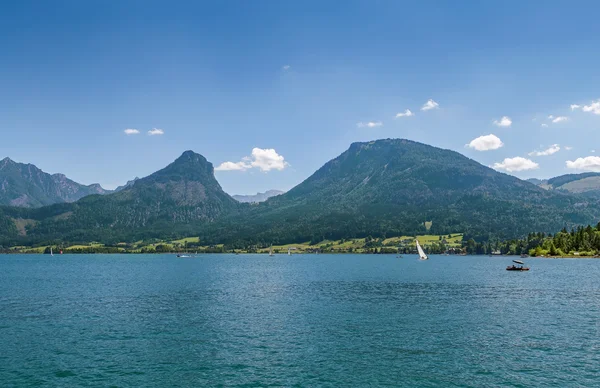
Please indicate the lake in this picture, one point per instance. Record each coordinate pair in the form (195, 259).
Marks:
(303, 320)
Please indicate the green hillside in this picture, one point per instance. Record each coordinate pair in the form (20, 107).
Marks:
(392, 188)
(383, 189)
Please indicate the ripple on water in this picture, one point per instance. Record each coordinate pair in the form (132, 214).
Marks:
(343, 320)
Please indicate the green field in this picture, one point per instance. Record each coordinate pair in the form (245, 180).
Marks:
(356, 245)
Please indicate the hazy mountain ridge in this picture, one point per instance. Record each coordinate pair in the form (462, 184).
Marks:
(25, 185)
(126, 185)
(587, 183)
(258, 197)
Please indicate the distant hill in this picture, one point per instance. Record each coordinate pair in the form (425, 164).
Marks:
(259, 197)
(393, 187)
(536, 181)
(126, 185)
(25, 185)
(587, 184)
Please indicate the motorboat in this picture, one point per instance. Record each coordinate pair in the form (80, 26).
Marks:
(521, 267)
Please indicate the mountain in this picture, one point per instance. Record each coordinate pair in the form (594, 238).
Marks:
(390, 187)
(396, 187)
(183, 195)
(587, 184)
(537, 181)
(25, 185)
(126, 185)
(258, 197)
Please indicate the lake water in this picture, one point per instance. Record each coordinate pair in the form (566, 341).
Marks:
(304, 320)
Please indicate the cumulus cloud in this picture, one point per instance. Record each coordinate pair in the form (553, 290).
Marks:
(155, 132)
(554, 148)
(516, 164)
(286, 67)
(232, 166)
(505, 121)
(407, 113)
(559, 119)
(486, 143)
(544, 125)
(594, 107)
(263, 159)
(131, 131)
(551, 117)
(590, 163)
(575, 106)
(430, 104)
(568, 148)
(370, 124)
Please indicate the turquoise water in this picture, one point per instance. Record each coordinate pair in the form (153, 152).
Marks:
(304, 320)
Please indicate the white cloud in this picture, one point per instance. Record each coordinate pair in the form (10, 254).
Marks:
(575, 106)
(554, 148)
(131, 131)
(559, 119)
(516, 164)
(593, 151)
(407, 113)
(370, 124)
(568, 148)
(231, 166)
(286, 67)
(550, 117)
(486, 143)
(264, 159)
(430, 104)
(544, 125)
(505, 121)
(156, 131)
(594, 107)
(590, 163)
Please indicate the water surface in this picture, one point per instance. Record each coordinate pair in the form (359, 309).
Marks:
(304, 320)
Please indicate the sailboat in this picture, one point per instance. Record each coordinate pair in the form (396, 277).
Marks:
(271, 251)
(51, 254)
(422, 255)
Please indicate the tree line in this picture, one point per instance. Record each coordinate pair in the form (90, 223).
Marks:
(580, 241)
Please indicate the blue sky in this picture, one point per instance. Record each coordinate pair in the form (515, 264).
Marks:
(296, 82)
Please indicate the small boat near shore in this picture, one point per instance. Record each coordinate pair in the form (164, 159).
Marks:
(517, 268)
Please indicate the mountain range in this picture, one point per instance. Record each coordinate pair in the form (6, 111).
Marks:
(387, 187)
(27, 186)
(258, 197)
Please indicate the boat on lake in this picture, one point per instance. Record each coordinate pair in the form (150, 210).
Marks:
(517, 268)
(422, 255)
(180, 255)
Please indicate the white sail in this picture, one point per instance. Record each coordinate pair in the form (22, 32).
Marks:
(422, 255)
(271, 251)
(51, 254)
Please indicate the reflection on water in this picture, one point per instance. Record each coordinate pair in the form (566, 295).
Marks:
(332, 320)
